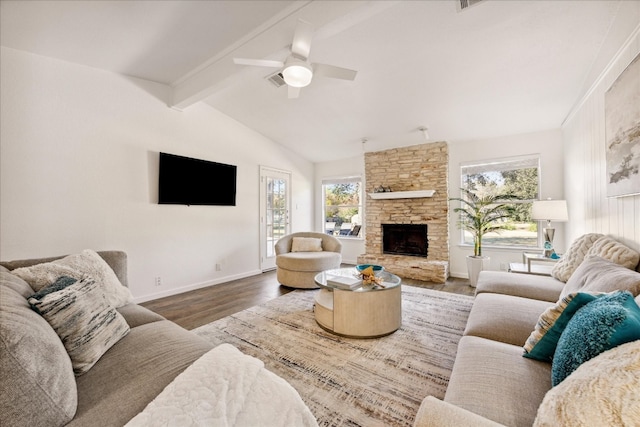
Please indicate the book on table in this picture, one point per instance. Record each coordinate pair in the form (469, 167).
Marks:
(344, 282)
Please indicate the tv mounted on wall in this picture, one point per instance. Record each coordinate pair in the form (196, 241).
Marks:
(187, 181)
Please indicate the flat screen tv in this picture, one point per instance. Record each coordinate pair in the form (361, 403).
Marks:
(187, 181)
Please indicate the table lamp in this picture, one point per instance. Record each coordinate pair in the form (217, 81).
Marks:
(549, 210)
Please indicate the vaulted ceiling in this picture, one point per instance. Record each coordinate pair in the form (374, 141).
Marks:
(494, 69)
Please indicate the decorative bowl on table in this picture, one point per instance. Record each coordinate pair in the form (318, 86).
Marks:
(377, 269)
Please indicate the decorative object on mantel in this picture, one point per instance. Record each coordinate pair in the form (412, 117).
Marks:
(622, 127)
(402, 194)
(480, 214)
(382, 189)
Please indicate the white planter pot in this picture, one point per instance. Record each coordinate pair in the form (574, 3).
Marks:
(475, 264)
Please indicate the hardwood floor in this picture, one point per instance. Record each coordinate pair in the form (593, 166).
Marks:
(205, 305)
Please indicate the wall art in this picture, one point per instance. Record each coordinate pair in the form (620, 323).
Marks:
(622, 128)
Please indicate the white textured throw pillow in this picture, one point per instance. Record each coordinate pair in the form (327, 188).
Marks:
(86, 324)
(601, 392)
(564, 268)
(306, 244)
(86, 263)
(608, 248)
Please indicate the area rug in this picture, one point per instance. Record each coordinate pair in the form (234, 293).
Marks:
(347, 381)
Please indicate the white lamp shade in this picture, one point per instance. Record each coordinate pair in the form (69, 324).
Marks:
(550, 210)
(297, 73)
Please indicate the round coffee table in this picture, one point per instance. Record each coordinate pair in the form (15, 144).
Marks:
(363, 312)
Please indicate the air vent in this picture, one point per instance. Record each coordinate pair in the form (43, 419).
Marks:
(276, 79)
(465, 4)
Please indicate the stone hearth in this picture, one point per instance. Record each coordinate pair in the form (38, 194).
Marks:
(419, 167)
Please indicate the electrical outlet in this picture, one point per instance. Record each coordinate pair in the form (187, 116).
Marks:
(503, 266)
(158, 281)
(218, 267)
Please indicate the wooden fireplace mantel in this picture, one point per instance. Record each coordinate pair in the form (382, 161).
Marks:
(403, 194)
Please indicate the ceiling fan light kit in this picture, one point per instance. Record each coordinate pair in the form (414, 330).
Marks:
(297, 73)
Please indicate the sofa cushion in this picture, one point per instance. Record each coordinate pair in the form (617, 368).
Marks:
(532, 286)
(37, 386)
(604, 323)
(13, 282)
(85, 322)
(86, 263)
(134, 371)
(573, 257)
(437, 413)
(614, 251)
(542, 343)
(596, 274)
(492, 379)
(308, 261)
(306, 244)
(602, 392)
(137, 315)
(504, 318)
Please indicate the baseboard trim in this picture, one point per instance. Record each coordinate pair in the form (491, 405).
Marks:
(193, 287)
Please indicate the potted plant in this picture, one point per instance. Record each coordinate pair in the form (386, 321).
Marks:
(480, 214)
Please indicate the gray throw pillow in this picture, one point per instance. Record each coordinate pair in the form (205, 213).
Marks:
(79, 313)
(37, 385)
(596, 274)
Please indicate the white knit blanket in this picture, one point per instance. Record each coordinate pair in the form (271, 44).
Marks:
(226, 387)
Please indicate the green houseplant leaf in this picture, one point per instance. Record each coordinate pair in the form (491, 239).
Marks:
(482, 214)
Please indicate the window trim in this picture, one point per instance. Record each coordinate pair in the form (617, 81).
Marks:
(344, 180)
(534, 158)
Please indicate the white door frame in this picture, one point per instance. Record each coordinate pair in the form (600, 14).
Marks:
(268, 234)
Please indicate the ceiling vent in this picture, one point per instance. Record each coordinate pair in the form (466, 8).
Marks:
(465, 4)
(276, 79)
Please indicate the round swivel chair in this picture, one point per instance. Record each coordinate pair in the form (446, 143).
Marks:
(299, 260)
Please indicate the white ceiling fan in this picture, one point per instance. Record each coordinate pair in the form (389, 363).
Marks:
(296, 70)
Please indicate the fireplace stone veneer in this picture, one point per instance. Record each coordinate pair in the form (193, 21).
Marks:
(414, 168)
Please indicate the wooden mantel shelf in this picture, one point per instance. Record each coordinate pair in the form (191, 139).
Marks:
(402, 194)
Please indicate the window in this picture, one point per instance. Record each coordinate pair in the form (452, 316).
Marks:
(342, 206)
(518, 176)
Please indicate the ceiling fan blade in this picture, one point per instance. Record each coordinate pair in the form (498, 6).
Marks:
(293, 92)
(258, 62)
(302, 39)
(334, 72)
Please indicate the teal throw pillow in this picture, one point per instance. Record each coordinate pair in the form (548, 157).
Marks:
(607, 322)
(541, 344)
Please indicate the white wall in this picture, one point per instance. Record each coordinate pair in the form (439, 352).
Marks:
(584, 136)
(351, 247)
(78, 169)
(548, 144)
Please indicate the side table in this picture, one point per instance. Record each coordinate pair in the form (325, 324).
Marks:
(533, 263)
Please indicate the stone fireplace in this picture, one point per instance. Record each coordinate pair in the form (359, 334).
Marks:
(414, 222)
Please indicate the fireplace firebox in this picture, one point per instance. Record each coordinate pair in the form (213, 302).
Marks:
(405, 239)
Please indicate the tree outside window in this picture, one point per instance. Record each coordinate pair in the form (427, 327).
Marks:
(519, 177)
(342, 208)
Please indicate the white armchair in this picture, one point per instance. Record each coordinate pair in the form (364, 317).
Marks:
(300, 256)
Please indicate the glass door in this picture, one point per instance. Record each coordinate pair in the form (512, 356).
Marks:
(275, 203)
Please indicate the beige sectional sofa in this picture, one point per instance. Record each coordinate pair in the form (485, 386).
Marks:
(37, 382)
(493, 384)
